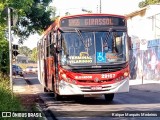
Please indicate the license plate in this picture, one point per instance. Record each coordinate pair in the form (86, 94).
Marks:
(96, 88)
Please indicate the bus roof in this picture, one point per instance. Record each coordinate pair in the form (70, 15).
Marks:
(95, 14)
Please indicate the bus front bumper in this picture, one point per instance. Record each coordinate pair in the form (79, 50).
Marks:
(72, 89)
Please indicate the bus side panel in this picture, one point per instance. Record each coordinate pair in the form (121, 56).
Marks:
(50, 73)
(39, 70)
(53, 74)
(42, 72)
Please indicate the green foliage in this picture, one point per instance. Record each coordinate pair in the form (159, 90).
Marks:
(148, 2)
(25, 51)
(34, 16)
(4, 56)
(4, 51)
(8, 103)
(34, 54)
(35, 20)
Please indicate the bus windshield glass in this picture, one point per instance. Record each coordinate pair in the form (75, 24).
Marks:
(93, 48)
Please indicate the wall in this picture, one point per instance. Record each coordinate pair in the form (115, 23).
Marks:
(150, 59)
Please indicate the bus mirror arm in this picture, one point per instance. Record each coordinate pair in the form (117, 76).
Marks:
(129, 43)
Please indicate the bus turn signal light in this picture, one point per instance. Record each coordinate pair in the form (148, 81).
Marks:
(126, 74)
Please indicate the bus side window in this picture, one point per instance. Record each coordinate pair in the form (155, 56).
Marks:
(53, 36)
(47, 51)
(52, 43)
(52, 50)
(59, 43)
(48, 44)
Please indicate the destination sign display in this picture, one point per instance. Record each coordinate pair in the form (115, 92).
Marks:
(92, 21)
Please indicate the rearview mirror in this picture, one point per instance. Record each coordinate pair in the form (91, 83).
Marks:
(129, 43)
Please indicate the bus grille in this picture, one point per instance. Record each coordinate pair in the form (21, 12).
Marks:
(98, 70)
(92, 81)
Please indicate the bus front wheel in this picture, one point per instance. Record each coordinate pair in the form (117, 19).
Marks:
(109, 97)
(45, 89)
(57, 97)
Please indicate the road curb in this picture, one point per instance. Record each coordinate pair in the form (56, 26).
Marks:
(47, 112)
(39, 104)
(40, 109)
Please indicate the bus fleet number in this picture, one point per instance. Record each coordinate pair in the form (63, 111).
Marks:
(109, 76)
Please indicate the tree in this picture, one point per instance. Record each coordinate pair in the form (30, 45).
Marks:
(25, 51)
(4, 50)
(4, 56)
(34, 16)
(34, 54)
(148, 2)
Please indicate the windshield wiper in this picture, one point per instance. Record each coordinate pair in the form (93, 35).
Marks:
(81, 37)
(121, 54)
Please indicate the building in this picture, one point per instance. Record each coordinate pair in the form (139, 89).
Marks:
(22, 59)
(145, 22)
(144, 30)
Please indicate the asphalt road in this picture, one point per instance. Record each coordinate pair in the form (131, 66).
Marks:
(142, 100)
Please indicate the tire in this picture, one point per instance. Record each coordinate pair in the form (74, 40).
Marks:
(21, 75)
(45, 89)
(58, 97)
(109, 97)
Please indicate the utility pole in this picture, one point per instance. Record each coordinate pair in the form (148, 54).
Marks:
(100, 5)
(10, 48)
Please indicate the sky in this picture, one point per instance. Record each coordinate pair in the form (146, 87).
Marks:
(107, 6)
(31, 42)
(121, 7)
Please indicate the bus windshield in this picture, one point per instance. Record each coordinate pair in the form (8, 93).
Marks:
(93, 48)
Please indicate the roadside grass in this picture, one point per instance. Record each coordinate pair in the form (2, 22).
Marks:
(10, 102)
